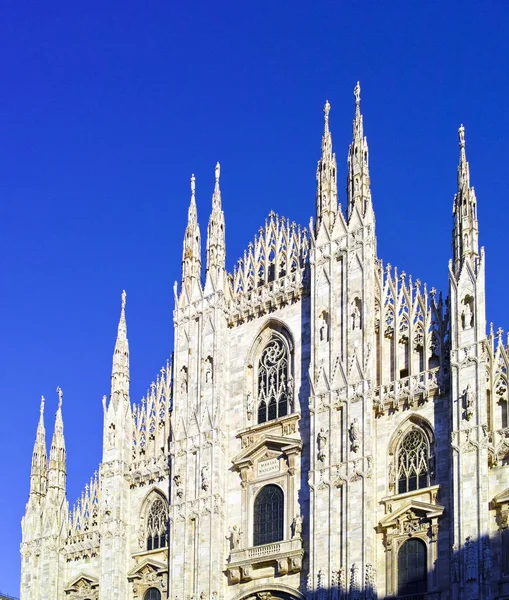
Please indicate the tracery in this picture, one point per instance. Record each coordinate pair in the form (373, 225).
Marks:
(413, 462)
(273, 381)
(157, 519)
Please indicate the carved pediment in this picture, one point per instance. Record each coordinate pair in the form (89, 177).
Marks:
(82, 583)
(265, 452)
(500, 503)
(147, 569)
(410, 515)
(265, 447)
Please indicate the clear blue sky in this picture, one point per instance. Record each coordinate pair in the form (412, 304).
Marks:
(107, 108)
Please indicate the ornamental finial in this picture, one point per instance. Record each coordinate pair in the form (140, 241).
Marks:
(124, 296)
(357, 94)
(326, 111)
(218, 172)
(60, 396)
(41, 409)
(461, 133)
(193, 185)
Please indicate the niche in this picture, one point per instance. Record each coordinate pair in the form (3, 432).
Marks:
(356, 314)
(467, 313)
(323, 326)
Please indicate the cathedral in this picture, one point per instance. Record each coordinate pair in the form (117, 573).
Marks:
(327, 428)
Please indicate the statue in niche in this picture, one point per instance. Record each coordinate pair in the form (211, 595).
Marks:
(322, 442)
(455, 565)
(209, 370)
(354, 435)
(356, 314)
(487, 561)
(183, 380)
(469, 402)
(297, 526)
(471, 559)
(467, 314)
(324, 327)
(107, 502)
(111, 436)
(205, 481)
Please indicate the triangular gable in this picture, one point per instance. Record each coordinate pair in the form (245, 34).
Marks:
(73, 585)
(427, 510)
(250, 454)
(502, 498)
(155, 565)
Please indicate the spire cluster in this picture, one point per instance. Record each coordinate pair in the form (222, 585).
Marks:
(216, 247)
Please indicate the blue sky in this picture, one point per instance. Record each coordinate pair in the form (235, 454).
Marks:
(107, 108)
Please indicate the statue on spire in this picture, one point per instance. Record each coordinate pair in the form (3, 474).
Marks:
(60, 397)
(357, 94)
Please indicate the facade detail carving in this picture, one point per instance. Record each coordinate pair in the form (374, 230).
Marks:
(328, 427)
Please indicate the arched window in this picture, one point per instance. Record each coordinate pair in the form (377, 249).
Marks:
(274, 380)
(152, 594)
(413, 462)
(412, 568)
(157, 519)
(268, 515)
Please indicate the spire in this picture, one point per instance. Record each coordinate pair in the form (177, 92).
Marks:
(216, 251)
(120, 368)
(466, 226)
(38, 474)
(357, 187)
(326, 183)
(191, 256)
(57, 457)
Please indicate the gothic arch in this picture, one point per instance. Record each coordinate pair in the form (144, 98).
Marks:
(411, 456)
(405, 426)
(145, 507)
(263, 335)
(274, 332)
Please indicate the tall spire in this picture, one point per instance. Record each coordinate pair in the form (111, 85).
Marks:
(326, 182)
(39, 470)
(357, 188)
(120, 368)
(216, 248)
(191, 256)
(57, 457)
(466, 226)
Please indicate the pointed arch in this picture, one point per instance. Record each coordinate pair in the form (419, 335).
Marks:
(154, 521)
(413, 456)
(270, 371)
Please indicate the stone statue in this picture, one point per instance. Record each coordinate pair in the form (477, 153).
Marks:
(469, 402)
(235, 537)
(470, 560)
(205, 482)
(356, 316)
(455, 565)
(487, 559)
(297, 526)
(467, 316)
(322, 442)
(354, 435)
